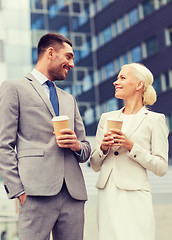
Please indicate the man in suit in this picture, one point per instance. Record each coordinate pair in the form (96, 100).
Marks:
(42, 171)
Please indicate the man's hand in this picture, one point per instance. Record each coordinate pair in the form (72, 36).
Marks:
(68, 139)
(22, 198)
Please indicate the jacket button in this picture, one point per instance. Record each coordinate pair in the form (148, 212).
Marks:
(116, 153)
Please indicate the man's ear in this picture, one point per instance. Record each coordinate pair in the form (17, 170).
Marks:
(50, 52)
(140, 85)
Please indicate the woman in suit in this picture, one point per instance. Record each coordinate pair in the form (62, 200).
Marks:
(123, 157)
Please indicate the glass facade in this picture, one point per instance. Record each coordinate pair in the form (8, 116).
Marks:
(107, 34)
(151, 46)
(136, 54)
(148, 7)
(170, 34)
(93, 71)
(109, 70)
(71, 19)
(157, 84)
(133, 17)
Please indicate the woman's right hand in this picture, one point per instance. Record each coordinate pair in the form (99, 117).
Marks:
(107, 142)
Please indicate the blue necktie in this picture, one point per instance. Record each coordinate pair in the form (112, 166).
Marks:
(53, 97)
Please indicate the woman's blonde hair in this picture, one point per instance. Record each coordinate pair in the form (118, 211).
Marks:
(143, 74)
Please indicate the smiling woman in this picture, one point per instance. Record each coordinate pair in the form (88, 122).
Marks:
(134, 85)
(123, 157)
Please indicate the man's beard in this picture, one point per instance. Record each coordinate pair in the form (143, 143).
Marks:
(57, 74)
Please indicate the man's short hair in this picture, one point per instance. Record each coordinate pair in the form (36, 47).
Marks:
(51, 40)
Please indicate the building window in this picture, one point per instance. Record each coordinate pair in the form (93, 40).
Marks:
(80, 74)
(116, 28)
(112, 104)
(151, 46)
(75, 23)
(95, 7)
(78, 41)
(119, 63)
(83, 18)
(157, 84)
(104, 3)
(38, 4)
(85, 50)
(160, 2)
(77, 56)
(167, 80)
(148, 7)
(63, 30)
(103, 108)
(37, 21)
(107, 34)
(98, 40)
(169, 36)
(109, 70)
(89, 116)
(133, 16)
(169, 121)
(125, 58)
(34, 56)
(123, 26)
(136, 54)
(78, 89)
(52, 11)
(87, 83)
(76, 7)
(68, 90)
(101, 75)
(97, 112)
(62, 4)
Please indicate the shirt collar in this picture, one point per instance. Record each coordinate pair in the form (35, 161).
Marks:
(39, 76)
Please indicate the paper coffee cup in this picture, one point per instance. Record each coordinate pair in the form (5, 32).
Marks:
(111, 124)
(59, 123)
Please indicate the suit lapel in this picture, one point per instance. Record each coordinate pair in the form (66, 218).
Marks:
(39, 89)
(137, 121)
(133, 124)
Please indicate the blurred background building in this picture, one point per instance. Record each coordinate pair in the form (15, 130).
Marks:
(105, 34)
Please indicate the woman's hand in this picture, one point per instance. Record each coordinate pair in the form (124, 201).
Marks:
(120, 139)
(107, 142)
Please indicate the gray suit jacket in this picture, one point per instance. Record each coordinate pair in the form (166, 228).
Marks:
(30, 158)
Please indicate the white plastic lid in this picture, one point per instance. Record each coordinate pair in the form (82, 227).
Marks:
(60, 118)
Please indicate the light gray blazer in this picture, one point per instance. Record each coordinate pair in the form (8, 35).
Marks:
(30, 158)
(149, 133)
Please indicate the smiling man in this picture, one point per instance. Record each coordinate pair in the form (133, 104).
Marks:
(41, 171)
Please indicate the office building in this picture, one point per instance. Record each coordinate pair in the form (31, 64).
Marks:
(107, 34)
